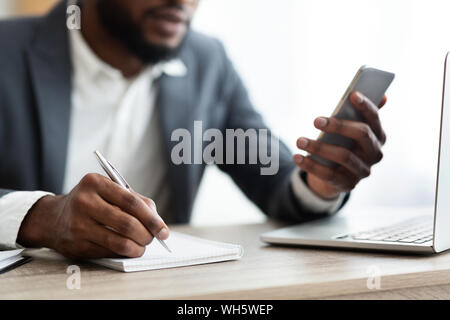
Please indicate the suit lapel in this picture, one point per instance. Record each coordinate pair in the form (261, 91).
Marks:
(174, 101)
(50, 70)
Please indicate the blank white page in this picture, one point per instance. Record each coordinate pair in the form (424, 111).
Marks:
(186, 250)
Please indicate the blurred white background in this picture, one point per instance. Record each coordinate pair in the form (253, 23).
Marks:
(297, 58)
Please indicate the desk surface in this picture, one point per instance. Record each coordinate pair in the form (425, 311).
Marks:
(265, 272)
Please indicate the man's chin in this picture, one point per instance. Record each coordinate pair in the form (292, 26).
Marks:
(171, 40)
(150, 53)
(152, 41)
(167, 44)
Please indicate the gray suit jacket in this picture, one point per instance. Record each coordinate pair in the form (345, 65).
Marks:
(35, 104)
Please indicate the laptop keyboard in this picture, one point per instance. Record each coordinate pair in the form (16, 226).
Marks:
(418, 230)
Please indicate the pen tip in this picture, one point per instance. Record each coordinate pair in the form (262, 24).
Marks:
(164, 245)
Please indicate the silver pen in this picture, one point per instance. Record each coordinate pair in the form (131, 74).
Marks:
(115, 176)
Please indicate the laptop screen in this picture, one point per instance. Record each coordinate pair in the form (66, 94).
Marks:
(442, 208)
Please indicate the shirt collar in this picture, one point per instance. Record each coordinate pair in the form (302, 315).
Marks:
(87, 62)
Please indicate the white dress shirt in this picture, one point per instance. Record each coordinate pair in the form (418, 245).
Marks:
(119, 117)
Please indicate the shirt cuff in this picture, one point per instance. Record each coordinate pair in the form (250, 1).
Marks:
(13, 208)
(309, 200)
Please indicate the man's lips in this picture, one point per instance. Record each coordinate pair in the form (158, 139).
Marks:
(168, 21)
(170, 14)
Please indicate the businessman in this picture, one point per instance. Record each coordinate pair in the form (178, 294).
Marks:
(123, 83)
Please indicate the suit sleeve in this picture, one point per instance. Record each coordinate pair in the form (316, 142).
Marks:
(272, 193)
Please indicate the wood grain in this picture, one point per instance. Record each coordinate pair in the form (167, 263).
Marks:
(265, 272)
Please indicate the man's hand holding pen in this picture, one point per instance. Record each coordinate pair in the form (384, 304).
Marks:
(98, 218)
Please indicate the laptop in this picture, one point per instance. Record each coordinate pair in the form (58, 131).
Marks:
(415, 230)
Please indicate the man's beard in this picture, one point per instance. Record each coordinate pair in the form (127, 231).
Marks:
(120, 26)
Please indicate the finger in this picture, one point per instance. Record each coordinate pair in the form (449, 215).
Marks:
(164, 232)
(90, 250)
(370, 113)
(333, 176)
(123, 223)
(110, 240)
(339, 155)
(149, 202)
(358, 131)
(85, 249)
(383, 102)
(132, 204)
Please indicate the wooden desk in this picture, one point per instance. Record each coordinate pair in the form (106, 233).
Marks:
(265, 272)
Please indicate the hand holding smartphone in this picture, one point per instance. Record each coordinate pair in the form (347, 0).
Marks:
(373, 83)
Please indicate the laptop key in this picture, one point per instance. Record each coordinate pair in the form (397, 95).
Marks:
(392, 239)
(408, 240)
(361, 236)
(378, 238)
(421, 241)
(411, 232)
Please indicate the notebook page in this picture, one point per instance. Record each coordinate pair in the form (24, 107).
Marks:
(9, 261)
(186, 250)
(9, 253)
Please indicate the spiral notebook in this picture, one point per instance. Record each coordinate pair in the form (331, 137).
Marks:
(186, 251)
